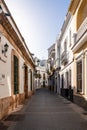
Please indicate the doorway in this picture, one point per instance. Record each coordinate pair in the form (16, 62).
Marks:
(62, 84)
(16, 75)
(26, 81)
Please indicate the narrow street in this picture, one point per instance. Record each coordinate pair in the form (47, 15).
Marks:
(48, 111)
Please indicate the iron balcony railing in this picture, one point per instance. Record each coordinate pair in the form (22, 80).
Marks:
(81, 33)
(57, 63)
(64, 57)
(82, 30)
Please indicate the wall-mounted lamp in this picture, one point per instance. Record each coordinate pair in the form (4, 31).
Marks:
(5, 49)
(29, 71)
(1, 11)
(23, 66)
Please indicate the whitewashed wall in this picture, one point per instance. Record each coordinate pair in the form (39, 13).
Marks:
(21, 71)
(66, 36)
(5, 69)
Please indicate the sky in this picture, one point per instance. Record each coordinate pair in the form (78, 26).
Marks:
(39, 22)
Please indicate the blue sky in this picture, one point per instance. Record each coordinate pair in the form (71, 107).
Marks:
(39, 21)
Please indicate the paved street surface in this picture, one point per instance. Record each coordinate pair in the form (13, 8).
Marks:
(48, 111)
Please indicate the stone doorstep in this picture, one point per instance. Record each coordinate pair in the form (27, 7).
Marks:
(5, 124)
(13, 116)
(16, 106)
(10, 104)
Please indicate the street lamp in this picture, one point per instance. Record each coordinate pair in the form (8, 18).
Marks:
(1, 11)
(5, 49)
(23, 67)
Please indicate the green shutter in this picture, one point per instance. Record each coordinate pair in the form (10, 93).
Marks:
(16, 75)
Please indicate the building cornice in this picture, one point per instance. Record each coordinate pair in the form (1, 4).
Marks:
(73, 6)
(81, 36)
(12, 33)
(51, 47)
(65, 24)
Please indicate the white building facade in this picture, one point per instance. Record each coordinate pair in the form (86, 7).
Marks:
(51, 68)
(72, 42)
(78, 9)
(66, 55)
(57, 64)
(16, 64)
(41, 79)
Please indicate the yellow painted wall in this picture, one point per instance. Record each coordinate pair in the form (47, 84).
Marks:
(83, 47)
(82, 13)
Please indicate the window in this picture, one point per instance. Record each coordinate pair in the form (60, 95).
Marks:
(0, 39)
(79, 76)
(0, 47)
(65, 45)
(16, 84)
(70, 77)
(67, 79)
(31, 80)
(62, 81)
(70, 37)
(44, 76)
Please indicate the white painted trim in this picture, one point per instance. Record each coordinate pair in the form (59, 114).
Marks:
(79, 55)
(86, 74)
(83, 87)
(76, 76)
(80, 58)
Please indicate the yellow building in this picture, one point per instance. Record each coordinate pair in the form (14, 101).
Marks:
(78, 8)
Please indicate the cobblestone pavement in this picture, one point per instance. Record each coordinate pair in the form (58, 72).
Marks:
(48, 111)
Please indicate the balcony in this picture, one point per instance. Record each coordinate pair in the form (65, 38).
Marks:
(52, 53)
(81, 37)
(64, 58)
(57, 62)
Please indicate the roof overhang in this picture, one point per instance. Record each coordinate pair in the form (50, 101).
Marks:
(73, 6)
(10, 30)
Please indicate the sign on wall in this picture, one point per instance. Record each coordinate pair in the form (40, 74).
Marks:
(2, 79)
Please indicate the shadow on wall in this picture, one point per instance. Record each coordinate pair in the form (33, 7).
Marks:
(9, 104)
(12, 118)
(81, 101)
(67, 93)
(66, 89)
